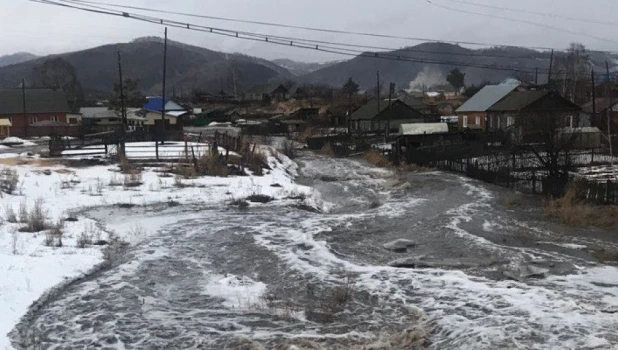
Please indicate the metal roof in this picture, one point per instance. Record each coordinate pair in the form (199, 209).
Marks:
(423, 128)
(486, 97)
(37, 101)
(369, 110)
(106, 113)
(518, 101)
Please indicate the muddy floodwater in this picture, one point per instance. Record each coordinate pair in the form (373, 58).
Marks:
(390, 261)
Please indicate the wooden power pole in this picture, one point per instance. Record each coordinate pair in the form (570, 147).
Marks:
(609, 120)
(123, 108)
(23, 106)
(551, 66)
(163, 93)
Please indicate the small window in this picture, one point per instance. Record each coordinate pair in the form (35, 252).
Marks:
(510, 121)
(72, 120)
(33, 120)
(465, 121)
(53, 118)
(478, 120)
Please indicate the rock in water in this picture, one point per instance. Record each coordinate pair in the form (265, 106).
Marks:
(400, 245)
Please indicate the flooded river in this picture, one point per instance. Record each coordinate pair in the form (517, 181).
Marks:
(469, 266)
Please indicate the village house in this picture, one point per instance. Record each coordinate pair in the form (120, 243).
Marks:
(267, 93)
(100, 119)
(508, 113)
(40, 105)
(473, 113)
(307, 114)
(380, 116)
(597, 111)
(174, 111)
(221, 114)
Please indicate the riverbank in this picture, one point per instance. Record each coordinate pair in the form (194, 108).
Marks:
(48, 199)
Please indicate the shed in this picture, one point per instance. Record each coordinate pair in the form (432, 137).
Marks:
(5, 127)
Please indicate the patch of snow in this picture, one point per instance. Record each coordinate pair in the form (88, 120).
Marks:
(13, 139)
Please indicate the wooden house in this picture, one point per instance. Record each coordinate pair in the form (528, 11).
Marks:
(25, 108)
(380, 116)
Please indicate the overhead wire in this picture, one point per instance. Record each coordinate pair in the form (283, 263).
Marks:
(315, 29)
(542, 25)
(538, 13)
(285, 41)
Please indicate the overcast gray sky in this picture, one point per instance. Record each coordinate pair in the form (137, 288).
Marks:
(44, 29)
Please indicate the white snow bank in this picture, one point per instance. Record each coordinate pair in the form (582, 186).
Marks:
(13, 139)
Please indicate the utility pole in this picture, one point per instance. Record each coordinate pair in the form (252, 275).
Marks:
(123, 108)
(594, 98)
(551, 65)
(163, 94)
(23, 105)
(378, 94)
(609, 121)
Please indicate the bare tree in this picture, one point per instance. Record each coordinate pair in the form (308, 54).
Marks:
(571, 74)
(548, 135)
(58, 73)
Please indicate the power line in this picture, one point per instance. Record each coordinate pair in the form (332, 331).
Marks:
(530, 12)
(564, 30)
(298, 43)
(315, 29)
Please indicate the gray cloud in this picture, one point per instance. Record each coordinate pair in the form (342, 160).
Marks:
(43, 29)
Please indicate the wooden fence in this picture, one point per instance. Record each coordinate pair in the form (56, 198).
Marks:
(533, 181)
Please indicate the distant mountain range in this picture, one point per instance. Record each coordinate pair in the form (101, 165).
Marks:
(188, 68)
(424, 74)
(193, 68)
(302, 68)
(15, 58)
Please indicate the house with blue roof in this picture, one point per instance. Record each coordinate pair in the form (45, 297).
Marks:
(174, 111)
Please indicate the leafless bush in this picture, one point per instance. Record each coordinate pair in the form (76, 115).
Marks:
(115, 180)
(9, 180)
(375, 158)
(14, 239)
(178, 181)
(99, 186)
(133, 179)
(84, 240)
(37, 218)
(573, 211)
(23, 212)
(57, 231)
(10, 214)
(212, 165)
(287, 149)
(187, 172)
(327, 150)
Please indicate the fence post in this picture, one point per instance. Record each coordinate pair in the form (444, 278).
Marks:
(592, 155)
(534, 182)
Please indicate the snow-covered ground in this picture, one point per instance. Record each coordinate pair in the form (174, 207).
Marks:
(29, 267)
